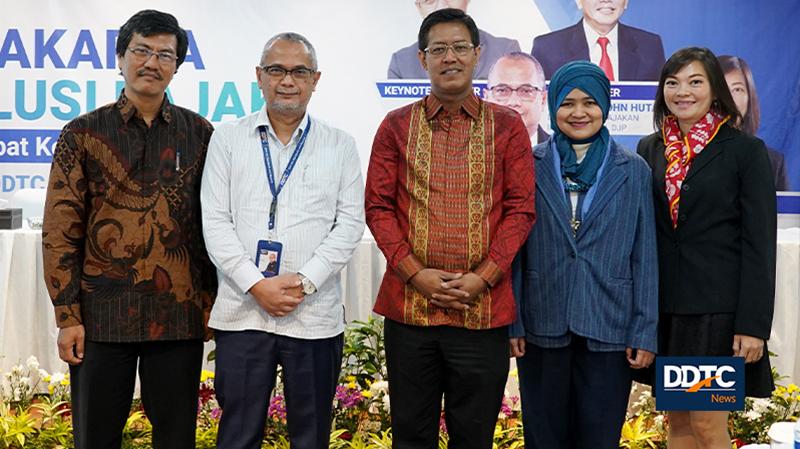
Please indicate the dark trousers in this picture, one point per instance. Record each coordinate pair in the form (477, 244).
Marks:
(247, 363)
(468, 367)
(102, 392)
(573, 398)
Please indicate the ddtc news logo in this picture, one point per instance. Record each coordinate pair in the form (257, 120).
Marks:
(699, 383)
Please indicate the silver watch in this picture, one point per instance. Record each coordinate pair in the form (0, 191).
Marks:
(308, 286)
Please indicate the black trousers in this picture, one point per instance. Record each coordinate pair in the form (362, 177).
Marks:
(247, 363)
(573, 398)
(102, 392)
(468, 367)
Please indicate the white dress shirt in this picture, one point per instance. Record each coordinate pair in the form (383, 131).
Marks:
(596, 51)
(319, 221)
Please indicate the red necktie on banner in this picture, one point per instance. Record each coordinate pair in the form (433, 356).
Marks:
(605, 60)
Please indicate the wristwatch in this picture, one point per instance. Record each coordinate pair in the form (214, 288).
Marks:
(308, 286)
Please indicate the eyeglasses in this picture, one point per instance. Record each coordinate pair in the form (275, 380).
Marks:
(277, 72)
(142, 53)
(525, 91)
(459, 48)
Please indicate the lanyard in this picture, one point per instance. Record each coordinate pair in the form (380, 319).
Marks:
(276, 190)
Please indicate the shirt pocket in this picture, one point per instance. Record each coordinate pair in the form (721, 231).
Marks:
(612, 306)
(319, 191)
(544, 306)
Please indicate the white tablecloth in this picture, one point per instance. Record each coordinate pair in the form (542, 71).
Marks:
(785, 338)
(27, 324)
(361, 280)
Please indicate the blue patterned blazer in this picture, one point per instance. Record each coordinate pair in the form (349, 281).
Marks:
(601, 284)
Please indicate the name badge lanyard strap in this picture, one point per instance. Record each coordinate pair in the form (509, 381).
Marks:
(276, 189)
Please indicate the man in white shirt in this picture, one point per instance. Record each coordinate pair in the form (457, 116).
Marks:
(516, 81)
(623, 52)
(280, 184)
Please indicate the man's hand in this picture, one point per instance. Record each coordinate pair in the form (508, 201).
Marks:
(517, 346)
(751, 348)
(432, 284)
(70, 344)
(278, 295)
(464, 290)
(208, 333)
(470, 285)
(643, 358)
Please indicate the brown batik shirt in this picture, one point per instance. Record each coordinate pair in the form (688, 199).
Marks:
(122, 237)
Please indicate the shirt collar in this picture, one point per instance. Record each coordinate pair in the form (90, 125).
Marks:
(592, 35)
(263, 120)
(128, 110)
(472, 106)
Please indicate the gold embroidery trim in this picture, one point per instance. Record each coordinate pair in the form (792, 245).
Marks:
(418, 159)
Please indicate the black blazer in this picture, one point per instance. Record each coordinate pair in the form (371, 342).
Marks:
(641, 53)
(721, 256)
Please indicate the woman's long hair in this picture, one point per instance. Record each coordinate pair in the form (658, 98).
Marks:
(752, 116)
(723, 101)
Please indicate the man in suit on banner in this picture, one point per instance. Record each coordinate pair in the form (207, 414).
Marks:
(405, 62)
(623, 52)
(516, 81)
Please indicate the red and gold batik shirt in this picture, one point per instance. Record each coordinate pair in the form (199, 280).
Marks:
(452, 191)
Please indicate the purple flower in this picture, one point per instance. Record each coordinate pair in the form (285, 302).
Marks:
(348, 397)
(216, 412)
(506, 409)
(507, 406)
(277, 407)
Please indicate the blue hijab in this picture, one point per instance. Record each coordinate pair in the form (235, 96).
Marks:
(590, 79)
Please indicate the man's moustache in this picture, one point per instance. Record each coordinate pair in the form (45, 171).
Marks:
(149, 73)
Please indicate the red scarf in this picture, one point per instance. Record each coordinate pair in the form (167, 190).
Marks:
(680, 152)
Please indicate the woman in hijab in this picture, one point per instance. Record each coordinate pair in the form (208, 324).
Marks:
(585, 281)
(716, 225)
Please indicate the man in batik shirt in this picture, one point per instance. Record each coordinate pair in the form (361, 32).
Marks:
(449, 200)
(124, 258)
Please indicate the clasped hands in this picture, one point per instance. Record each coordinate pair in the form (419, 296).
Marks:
(449, 290)
(278, 295)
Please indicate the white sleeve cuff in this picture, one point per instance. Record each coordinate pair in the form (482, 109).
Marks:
(316, 271)
(246, 275)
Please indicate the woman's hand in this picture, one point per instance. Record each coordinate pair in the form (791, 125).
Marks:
(642, 359)
(517, 346)
(751, 348)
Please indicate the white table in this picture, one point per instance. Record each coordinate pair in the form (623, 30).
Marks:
(785, 338)
(27, 321)
(361, 280)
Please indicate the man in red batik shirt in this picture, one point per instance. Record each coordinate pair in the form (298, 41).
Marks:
(449, 199)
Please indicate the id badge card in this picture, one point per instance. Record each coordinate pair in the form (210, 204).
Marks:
(268, 257)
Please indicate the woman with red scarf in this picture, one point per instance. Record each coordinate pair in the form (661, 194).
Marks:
(716, 225)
